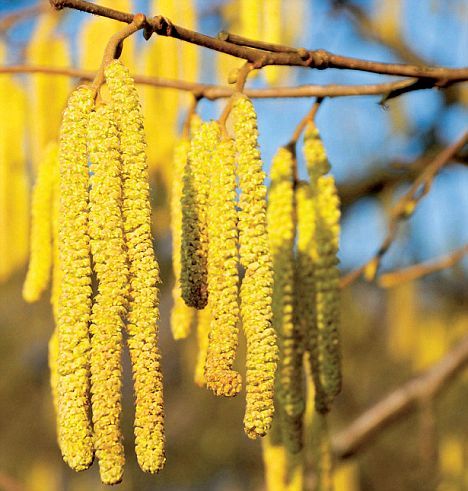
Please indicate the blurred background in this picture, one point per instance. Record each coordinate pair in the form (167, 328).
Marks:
(375, 150)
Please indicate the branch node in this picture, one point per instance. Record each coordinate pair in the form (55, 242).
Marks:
(162, 26)
(318, 59)
(57, 4)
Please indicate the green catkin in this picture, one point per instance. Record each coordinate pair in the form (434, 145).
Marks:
(182, 316)
(324, 345)
(143, 308)
(194, 244)
(37, 278)
(74, 309)
(281, 232)
(257, 285)
(223, 276)
(203, 331)
(110, 266)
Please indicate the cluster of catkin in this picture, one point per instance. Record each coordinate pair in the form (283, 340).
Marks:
(303, 228)
(92, 215)
(219, 227)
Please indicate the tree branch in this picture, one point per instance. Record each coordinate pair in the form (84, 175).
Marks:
(389, 280)
(398, 403)
(320, 58)
(214, 92)
(404, 208)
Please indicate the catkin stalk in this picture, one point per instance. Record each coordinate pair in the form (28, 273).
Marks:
(257, 285)
(143, 310)
(223, 276)
(110, 266)
(75, 434)
(281, 232)
(194, 246)
(40, 260)
(323, 250)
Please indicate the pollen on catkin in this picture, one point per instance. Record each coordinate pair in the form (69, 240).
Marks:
(257, 284)
(324, 346)
(182, 316)
(40, 260)
(110, 265)
(281, 233)
(143, 309)
(74, 309)
(223, 276)
(194, 244)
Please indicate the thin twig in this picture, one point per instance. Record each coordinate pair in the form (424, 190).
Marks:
(214, 92)
(404, 208)
(389, 280)
(398, 403)
(320, 58)
(310, 116)
(254, 43)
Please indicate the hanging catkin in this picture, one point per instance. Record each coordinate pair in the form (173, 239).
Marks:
(324, 345)
(223, 277)
(194, 246)
(256, 289)
(75, 435)
(281, 233)
(203, 331)
(40, 260)
(144, 272)
(182, 316)
(110, 265)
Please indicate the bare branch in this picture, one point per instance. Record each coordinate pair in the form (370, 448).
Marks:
(389, 280)
(213, 92)
(320, 58)
(399, 402)
(404, 208)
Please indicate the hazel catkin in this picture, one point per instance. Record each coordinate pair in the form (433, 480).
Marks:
(74, 309)
(324, 344)
(223, 276)
(281, 232)
(143, 308)
(182, 316)
(194, 244)
(257, 284)
(40, 261)
(110, 265)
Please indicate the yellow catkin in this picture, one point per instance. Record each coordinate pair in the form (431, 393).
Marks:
(250, 18)
(281, 234)
(110, 265)
(46, 48)
(324, 341)
(323, 456)
(144, 272)
(223, 276)
(194, 245)
(272, 22)
(257, 285)
(95, 34)
(75, 436)
(182, 316)
(203, 331)
(40, 260)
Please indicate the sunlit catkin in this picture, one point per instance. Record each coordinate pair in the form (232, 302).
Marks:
(144, 272)
(257, 285)
(203, 330)
(281, 233)
(324, 345)
(110, 266)
(194, 244)
(74, 310)
(223, 276)
(182, 316)
(40, 260)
